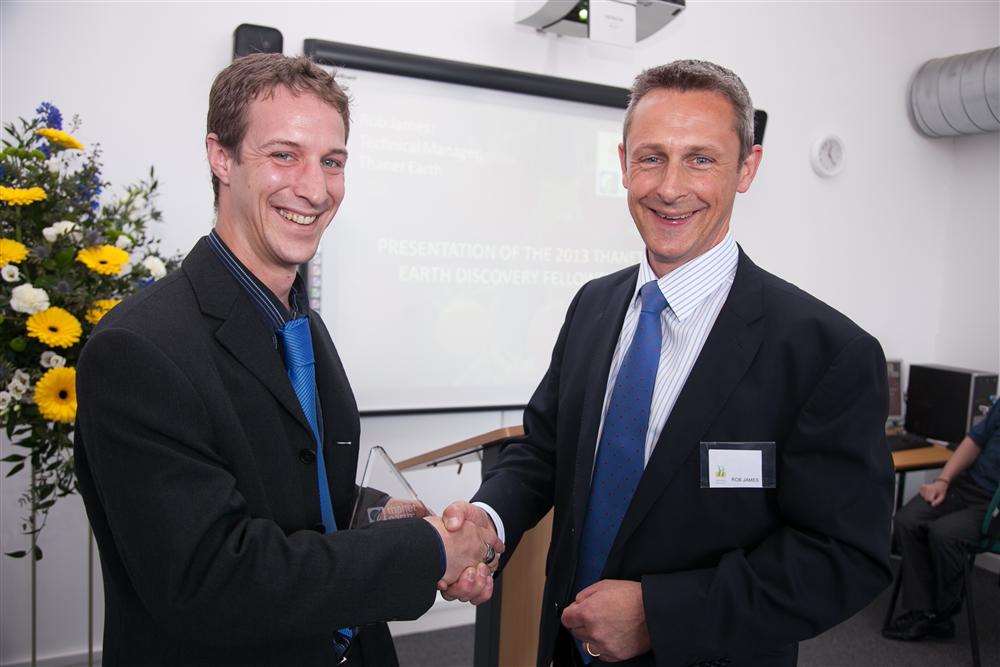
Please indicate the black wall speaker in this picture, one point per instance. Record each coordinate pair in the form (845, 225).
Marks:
(248, 38)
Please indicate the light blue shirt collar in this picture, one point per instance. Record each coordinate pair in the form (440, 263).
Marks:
(689, 284)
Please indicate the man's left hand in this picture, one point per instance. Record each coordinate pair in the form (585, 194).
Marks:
(609, 616)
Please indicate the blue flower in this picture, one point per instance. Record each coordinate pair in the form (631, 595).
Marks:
(52, 115)
(89, 190)
(3, 173)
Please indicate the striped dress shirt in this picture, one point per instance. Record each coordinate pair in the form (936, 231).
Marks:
(273, 312)
(695, 293)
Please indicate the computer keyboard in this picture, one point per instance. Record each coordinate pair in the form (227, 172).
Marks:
(903, 441)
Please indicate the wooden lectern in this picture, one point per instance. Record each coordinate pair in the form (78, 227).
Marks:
(507, 625)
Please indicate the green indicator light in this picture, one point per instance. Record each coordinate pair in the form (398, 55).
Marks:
(583, 13)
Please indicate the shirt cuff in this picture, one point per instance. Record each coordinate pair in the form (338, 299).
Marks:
(497, 523)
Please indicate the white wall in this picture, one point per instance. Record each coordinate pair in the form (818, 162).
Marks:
(905, 240)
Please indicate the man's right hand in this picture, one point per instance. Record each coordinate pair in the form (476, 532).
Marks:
(465, 547)
(934, 492)
(475, 585)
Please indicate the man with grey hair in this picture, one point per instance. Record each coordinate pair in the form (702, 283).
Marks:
(710, 436)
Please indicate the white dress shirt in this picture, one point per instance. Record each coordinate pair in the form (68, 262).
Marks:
(695, 293)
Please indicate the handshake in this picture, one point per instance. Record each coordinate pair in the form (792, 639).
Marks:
(472, 549)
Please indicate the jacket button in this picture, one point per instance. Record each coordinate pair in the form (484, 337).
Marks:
(307, 456)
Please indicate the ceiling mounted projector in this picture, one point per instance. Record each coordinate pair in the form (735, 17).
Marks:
(622, 22)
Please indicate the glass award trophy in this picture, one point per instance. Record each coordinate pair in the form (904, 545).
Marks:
(384, 494)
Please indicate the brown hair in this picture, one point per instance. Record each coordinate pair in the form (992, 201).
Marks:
(257, 76)
(684, 75)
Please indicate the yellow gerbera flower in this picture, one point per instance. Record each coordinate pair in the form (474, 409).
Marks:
(60, 138)
(55, 326)
(55, 395)
(12, 252)
(104, 259)
(21, 196)
(100, 309)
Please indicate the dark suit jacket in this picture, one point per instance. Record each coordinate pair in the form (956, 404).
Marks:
(198, 471)
(742, 573)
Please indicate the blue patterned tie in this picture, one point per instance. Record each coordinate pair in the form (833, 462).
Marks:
(621, 452)
(301, 367)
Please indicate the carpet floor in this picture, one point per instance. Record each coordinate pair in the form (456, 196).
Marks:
(856, 642)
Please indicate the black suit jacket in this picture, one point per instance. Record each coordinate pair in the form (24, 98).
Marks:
(741, 573)
(198, 471)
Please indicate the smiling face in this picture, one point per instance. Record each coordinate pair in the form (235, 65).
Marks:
(681, 166)
(277, 199)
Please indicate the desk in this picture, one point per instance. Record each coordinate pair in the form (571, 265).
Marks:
(910, 460)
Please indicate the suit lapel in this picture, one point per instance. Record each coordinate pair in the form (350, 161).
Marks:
(606, 330)
(246, 337)
(332, 385)
(242, 333)
(729, 350)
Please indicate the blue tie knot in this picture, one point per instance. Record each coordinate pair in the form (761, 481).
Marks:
(653, 300)
(297, 340)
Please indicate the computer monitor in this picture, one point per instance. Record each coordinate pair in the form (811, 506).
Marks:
(941, 401)
(895, 368)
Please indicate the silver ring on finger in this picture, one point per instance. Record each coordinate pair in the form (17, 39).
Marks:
(491, 554)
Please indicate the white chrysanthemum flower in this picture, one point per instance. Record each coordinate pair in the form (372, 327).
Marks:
(155, 266)
(5, 400)
(61, 228)
(54, 164)
(140, 202)
(124, 242)
(27, 299)
(52, 360)
(10, 273)
(19, 384)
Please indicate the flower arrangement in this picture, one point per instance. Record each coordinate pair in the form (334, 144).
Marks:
(65, 261)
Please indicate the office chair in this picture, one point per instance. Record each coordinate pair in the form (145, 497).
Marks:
(990, 531)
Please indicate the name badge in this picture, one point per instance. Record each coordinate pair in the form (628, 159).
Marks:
(737, 465)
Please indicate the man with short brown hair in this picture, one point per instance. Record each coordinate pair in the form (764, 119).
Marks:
(218, 436)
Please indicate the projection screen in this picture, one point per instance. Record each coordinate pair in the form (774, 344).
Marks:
(473, 214)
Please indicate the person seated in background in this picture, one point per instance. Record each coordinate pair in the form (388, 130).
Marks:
(936, 530)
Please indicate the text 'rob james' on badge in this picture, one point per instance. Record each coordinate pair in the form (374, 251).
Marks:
(737, 465)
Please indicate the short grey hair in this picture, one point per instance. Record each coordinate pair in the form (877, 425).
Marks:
(685, 75)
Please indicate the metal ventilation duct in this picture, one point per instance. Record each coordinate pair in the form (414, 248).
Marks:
(958, 95)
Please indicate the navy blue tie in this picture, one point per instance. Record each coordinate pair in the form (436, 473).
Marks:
(300, 363)
(621, 452)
